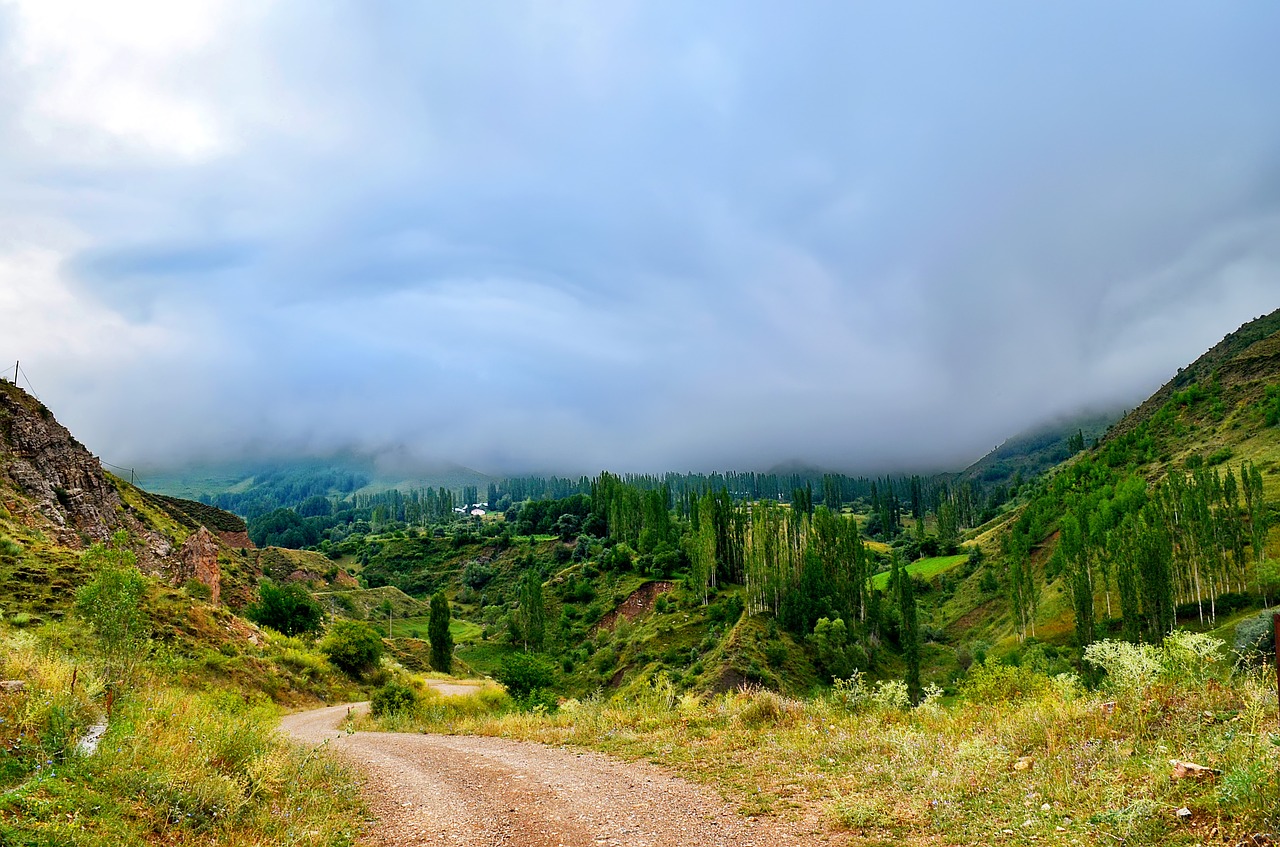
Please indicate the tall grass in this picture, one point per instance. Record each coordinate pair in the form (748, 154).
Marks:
(174, 767)
(1024, 758)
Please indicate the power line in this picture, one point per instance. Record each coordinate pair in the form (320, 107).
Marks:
(17, 367)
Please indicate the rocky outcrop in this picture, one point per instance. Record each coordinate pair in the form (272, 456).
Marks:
(49, 469)
(198, 560)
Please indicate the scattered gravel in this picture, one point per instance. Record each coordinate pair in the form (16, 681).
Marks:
(468, 790)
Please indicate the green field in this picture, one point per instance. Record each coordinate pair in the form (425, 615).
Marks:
(926, 569)
(463, 632)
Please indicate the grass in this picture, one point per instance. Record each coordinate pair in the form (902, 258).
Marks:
(175, 766)
(1097, 763)
(926, 569)
(463, 632)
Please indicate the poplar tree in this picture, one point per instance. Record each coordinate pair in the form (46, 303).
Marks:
(532, 611)
(438, 633)
(910, 628)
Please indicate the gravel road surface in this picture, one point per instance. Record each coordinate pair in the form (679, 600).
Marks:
(467, 790)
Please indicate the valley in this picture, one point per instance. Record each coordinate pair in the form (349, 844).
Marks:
(1013, 652)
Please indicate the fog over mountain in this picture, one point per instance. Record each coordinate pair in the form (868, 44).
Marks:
(566, 236)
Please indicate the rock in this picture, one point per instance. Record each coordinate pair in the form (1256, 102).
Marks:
(62, 479)
(1024, 763)
(11, 686)
(1190, 770)
(198, 560)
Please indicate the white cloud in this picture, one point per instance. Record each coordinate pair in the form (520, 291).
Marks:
(105, 78)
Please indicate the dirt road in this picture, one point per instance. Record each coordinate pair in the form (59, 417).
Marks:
(465, 790)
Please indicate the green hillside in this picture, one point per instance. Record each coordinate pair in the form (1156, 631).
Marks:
(615, 591)
(1026, 456)
(1188, 479)
(107, 619)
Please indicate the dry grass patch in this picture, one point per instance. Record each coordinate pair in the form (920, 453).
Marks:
(1023, 761)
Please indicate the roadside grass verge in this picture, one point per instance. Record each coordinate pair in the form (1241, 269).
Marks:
(175, 766)
(1022, 758)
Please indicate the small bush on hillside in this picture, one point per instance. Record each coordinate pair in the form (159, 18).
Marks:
(891, 695)
(288, 609)
(1185, 657)
(851, 693)
(9, 549)
(197, 590)
(353, 646)
(1255, 638)
(994, 682)
(111, 603)
(391, 698)
(477, 575)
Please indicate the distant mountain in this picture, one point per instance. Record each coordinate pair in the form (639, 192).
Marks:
(251, 488)
(1033, 452)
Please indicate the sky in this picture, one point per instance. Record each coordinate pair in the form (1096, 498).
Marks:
(559, 237)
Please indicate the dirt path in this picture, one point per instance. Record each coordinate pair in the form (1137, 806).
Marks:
(467, 790)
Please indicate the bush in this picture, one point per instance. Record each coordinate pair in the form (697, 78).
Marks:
(392, 698)
(1255, 637)
(197, 590)
(288, 609)
(1134, 668)
(528, 678)
(353, 646)
(891, 695)
(992, 682)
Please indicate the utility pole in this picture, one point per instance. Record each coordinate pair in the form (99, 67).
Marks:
(15, 370)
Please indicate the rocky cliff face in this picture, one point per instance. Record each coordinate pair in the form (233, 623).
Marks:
(53, 473)
(50, 482)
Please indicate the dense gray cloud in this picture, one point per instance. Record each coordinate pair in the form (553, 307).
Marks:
(561, 237)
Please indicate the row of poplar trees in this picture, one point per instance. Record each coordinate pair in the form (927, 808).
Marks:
(1143, 552)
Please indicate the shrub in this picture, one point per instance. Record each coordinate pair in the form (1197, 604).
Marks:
(1130, 668)
(288, 609)
(111, 603)
(1134, 668)
(197, 590)
(891, 695)
(528, 678)
(1189, 656)
(392, 698)
(477, 575)
(353, 646)
(851, 692)
(1255, 637)
(994, 682)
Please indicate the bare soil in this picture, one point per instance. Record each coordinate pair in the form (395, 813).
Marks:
(467, 790)
(637, 603)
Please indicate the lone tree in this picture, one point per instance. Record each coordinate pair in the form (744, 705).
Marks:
(532, 612)
(111, 603)
(438, 633)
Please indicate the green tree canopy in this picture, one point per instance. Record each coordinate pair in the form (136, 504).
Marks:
(353, 646)
(438, 633)
(289, 609)
(111, 603)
